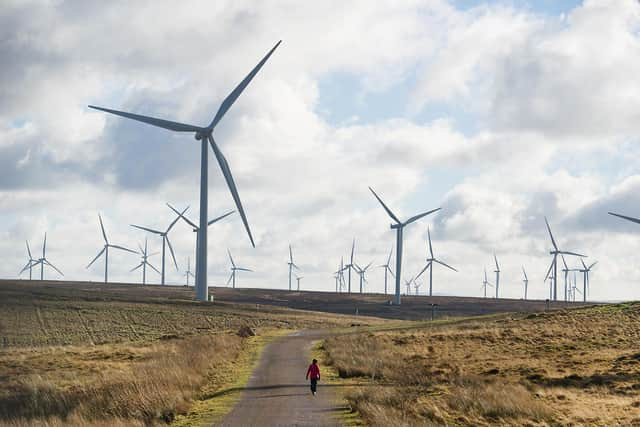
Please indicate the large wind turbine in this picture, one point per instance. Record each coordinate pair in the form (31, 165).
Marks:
(525, 280)
(399, 227)
(585, 278)
(44, 261)
(351, 265)
(144, 262)
(387, 270)
(165, 240)
(554, 264)
(234, 268)
(105, 251)
(361, 272)
(497, 271)
(30, 263)
(430, 260)
(485, 282)
(195, 228)
(204, 135)
(292, 265)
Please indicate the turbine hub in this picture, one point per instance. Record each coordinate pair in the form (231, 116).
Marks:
(199, 136)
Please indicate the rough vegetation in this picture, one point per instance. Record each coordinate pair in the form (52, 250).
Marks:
(569, 367)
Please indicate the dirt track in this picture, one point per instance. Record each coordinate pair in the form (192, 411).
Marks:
(277, 393)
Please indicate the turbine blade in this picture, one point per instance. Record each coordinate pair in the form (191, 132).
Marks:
(395, 218)
(165, 124)
(25, 267)
(180, 215)
(54, 267)
(446, 265)
(553, 241)
(135, 268)
(290, 255)
(424, 269)
(525, 273)
(184, 218)
(353, 248)
(97, 256)
(155, 269)
(231, 98)
(122, 248)
(571, 253)
(173, 255)
(104, 234)
(219, 218)
(496, 260)
(591, 266)
(390, 253)
(243, 269)
(231, 259)
(549, 271)
(564, 262)
(28, 249)
(417, 217)
(232, 185)
(628, 218)
(430, 247)
(44, 245)
(150, 230)
(230, 277)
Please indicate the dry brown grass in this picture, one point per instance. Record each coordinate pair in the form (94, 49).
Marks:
(573, 367)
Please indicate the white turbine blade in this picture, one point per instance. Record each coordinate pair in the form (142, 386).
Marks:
(571, 253)
(230, 277)
(53, 266)
(525, 274)
(583, 264)
(173, 255)
(135, 268)
(104, 234)
(591, 266)
(97, 256)
(184, 218)
(122, 248)
(231, 259)
(165, 124)
(295, 266)
(231, 98)
(219, 218)
(368, 265)
(180, 215)
(44, 245)
(142, 251)
(155, 269)
(353, 248)
(391, 273)
(150, 230)
(28, 250)
(27, 265)
(224, 165)
(290, 255)
(243, 269)
(424, 269)
(390, 253)
(566, 267)
(417, 217)
(628, 218)
(430, 247)
(395, 218)
(549, 271)
(553, 241)
(496, 260)
(446, 265)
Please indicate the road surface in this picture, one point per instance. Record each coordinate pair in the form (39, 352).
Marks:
(277, 393)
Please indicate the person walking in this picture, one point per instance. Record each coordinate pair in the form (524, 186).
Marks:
(313, 374)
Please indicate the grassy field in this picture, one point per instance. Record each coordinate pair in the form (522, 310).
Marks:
(81, 353)
(569, 367)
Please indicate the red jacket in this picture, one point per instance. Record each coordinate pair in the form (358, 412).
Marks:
(313, 372)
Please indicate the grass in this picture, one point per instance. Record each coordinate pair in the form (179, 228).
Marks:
(575, 366)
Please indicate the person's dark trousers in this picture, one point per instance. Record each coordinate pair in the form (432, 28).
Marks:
(314, 384)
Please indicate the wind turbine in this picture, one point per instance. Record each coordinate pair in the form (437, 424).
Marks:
(361, 272)
(292, 265)
(387, 270)
(44, 261)
(234, 268)
(526, 283)
(417, 285)
(485, 282)
(351, 265)
(585, 278)
(565, 270)
(144, 262)
(340, 276)
(196, 228)
(165, 240)
(298, 279)
(30, 263)
(554, 264)
(205, 135)
(399, 227)
(430, 260)
(497, 271)
(105, 251)
(408, 284)
(188, 272)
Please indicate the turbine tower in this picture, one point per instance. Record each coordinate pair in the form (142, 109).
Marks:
(105, 251)
(526, 283)
(585, 278)
(417, 285)
(44, 261)
(30, 263)
(298, 279)
(361, 272)
(485, 283)
(195, 228)
(387, 270)
(554, 263)
(292, 265)
(399, 227)
(430, 260)
(165, 240)
(497, 271)
(234, 268)
(205, 135)
(145, 262)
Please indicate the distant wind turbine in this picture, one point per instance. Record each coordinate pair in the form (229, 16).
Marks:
(485, 283)
(298, 278)
(105, 251)
(417, 285)
(204, 135)
(30, 262)
(292, 265)
(145, 262)
(361, 272)
(497, 271)
(165, 240)
(387, 270)
(44, 261)
(399, 227)
(526, 283)
(430, 260)
(554, 264)
(585, 278)
(351, 265)
(188, 272)
(234, 268)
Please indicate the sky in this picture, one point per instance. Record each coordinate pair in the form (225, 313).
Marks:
(500, 113)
